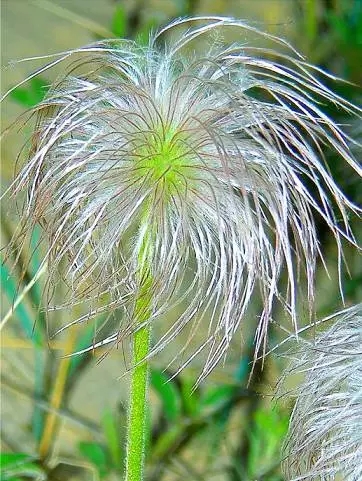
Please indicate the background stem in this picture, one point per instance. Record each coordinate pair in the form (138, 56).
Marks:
(57, 396)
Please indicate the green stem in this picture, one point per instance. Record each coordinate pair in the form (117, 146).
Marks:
(137, 419)
(137, 422)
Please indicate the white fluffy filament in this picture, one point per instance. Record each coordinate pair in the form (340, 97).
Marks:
(210, 153)
(324, 442)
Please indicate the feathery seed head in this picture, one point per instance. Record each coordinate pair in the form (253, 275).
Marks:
(325, 432)
(191, 166)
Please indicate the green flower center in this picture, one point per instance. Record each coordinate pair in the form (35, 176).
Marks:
(164, 159)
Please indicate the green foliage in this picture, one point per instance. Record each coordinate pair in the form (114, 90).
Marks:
(11, 288)
(168, 394)
(114, 439)
(32, 94)
(268, 429)
(97, 455)
(119, 21)
(16, 466)
(347, 23)
(84, 340)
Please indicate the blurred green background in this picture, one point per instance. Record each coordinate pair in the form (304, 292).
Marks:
(64, 418)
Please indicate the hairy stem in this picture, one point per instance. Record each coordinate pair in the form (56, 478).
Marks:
(137, 422)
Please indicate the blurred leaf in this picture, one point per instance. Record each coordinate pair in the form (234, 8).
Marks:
(310, 23)
(84, 340)
(112, 434)
(168, 394)
(268, 430)
(189, 399)
(185, 7)
(97, 455)
(35, 265)
(243, 370)
(13, 465)
(33, 327)
(347, 23)
(13, 459)
(27, 323)
(38, 418)
(352, 285)
(119, 21)
(26, 470)
(218, 395)
(32, 94)
(222, 401)
(167, 442)
(181, 6)
(41, 364)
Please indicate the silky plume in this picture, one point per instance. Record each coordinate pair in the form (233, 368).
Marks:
(186, 177)
(324, 441)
